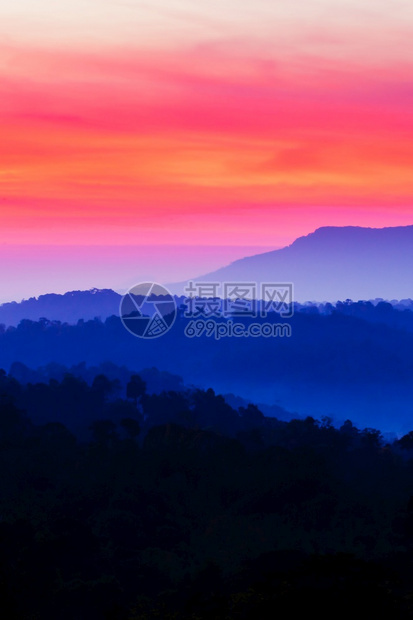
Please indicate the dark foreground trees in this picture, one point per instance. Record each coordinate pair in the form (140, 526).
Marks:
(178, 506)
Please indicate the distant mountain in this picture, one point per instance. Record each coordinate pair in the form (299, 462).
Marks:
(67, 308)
(332, 263)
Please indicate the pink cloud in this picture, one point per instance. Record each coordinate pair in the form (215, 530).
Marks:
(185, 139)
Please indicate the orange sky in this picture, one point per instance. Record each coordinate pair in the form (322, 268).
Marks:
(216, 136)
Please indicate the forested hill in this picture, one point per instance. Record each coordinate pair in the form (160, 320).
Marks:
(178, 506)
(67, 308)
(354, 360)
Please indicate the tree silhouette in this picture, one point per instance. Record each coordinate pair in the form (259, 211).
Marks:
(136, 388)
(131, 426)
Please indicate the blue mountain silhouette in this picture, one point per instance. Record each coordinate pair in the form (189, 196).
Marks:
(332, 263)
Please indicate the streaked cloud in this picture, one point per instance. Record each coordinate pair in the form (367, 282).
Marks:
(227, 119)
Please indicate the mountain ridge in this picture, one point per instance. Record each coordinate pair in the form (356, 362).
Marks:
(332, 263)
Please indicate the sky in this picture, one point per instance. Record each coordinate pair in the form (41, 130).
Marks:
(227, 123)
